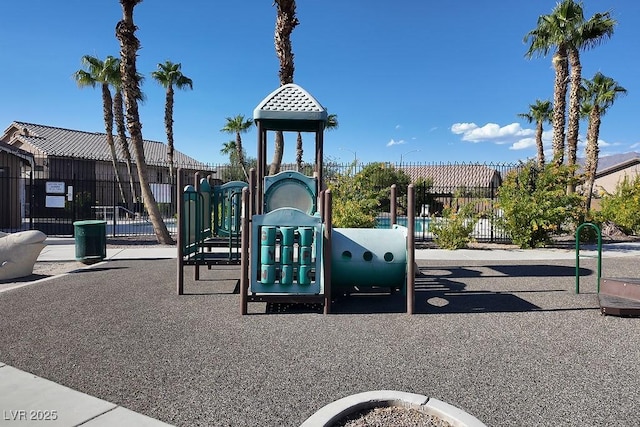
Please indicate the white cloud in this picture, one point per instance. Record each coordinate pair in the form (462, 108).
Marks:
(491, 132)
(394, 142)
(634, 146)
(602, 143)
(398, 127)
(523, 144)
(518, 137)
(530, 142)
(459, 128)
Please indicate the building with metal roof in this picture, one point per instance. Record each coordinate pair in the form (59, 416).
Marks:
(36, 158)
(51, 141)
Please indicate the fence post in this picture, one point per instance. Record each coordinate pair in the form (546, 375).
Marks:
(32, 197)
(74, 213)
(115, 208)
(411, 271)
(493, 195)
(394, 207)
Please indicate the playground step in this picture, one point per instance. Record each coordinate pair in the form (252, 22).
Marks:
(620, 297)
(219, 242)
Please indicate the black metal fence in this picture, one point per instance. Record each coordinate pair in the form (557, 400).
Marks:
(51, 203)
(439, 186)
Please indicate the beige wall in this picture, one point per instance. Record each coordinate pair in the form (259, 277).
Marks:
(609, 182)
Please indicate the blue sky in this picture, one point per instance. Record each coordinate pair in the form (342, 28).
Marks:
(421, 80)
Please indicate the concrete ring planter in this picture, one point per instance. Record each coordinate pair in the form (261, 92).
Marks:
(342, 408)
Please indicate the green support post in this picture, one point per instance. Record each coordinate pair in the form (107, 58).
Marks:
(578, 254)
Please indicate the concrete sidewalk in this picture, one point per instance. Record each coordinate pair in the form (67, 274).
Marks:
(63, 249)
(28, 400)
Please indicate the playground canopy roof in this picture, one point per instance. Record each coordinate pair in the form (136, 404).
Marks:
(290, 108)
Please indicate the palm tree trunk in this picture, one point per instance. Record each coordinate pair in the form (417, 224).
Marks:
(240, 154)
(573, 127)
(118, 112)
(129, 45)
(592, 151)
(107, 107)
(168, 125)
(561, 67)
(278, 153)
(299, 152)
(286, 22)
(539, 144)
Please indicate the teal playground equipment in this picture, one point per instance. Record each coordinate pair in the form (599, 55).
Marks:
(616, 296)
(295, 256)
(288, 255)
(208, 225)
(366, 258)
(291, 252)
(599, 254)
(226, 208)
(279, 227)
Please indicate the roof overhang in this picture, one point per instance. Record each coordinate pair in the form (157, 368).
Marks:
(24, 155)
(618, 167)
(290, 108)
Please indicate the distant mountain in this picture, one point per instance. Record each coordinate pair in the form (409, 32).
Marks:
(606, 162)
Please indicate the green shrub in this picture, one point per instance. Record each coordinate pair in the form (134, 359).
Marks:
(623, 206)
(357, 199)
(535, 204)
(374, 182)
(453, 230)
(352, 214)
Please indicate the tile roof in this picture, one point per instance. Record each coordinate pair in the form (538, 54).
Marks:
(453, 175)
(54, 141)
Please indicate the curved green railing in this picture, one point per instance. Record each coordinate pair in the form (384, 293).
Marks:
(578, 254)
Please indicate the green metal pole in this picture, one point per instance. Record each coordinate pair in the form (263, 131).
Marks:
(599, 268)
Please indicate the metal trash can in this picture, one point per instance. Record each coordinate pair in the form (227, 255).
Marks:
(90, 240)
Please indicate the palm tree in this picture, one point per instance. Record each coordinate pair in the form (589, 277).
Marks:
(582, 35)
(331, 124)
(286, 22)
(129, 45)
(566, 30)
(540, 113)
(169, 75)
(118, 115)
(546, 36)
(599, 94)
(238, 125)
(235, 172)
(229, 149)
(97, 72)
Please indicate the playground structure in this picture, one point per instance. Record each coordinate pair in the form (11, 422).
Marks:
(289, 251)
(616, 296)
(208, 218)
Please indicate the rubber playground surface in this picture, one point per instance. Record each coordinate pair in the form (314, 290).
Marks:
(508, 341)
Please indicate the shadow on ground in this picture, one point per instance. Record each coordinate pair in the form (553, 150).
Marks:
(443, 290)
